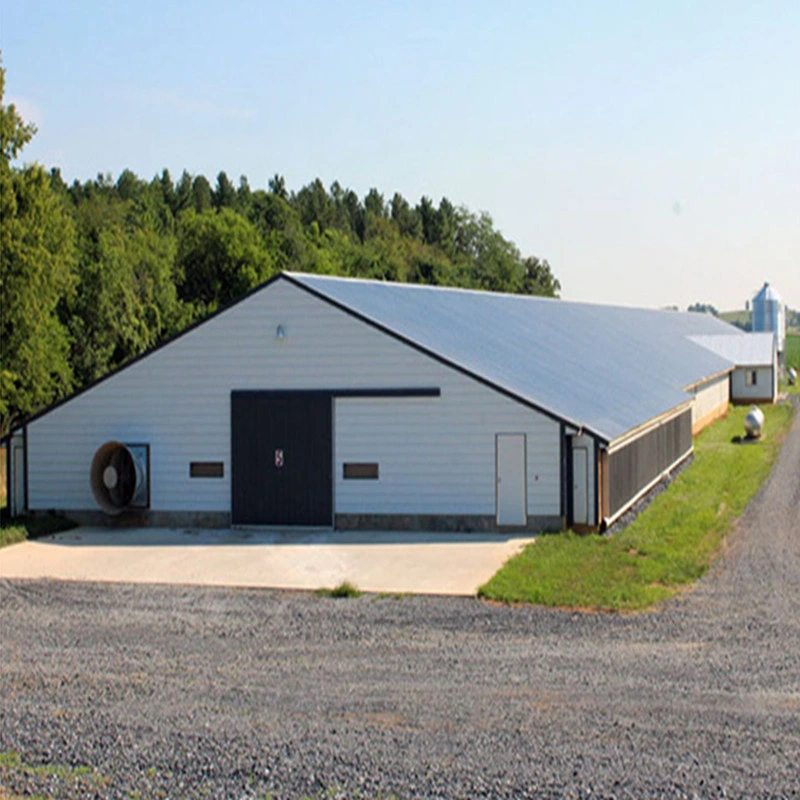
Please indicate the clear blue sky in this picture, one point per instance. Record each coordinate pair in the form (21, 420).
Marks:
(650, 151)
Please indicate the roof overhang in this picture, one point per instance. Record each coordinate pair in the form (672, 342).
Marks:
(692, 386)
(641, 430)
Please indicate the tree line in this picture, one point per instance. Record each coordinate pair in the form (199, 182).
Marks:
(93, 274)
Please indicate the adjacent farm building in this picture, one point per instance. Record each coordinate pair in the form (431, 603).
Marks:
(318, 401)
(755, 377)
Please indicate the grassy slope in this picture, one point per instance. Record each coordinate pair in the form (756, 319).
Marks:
(740, 317)
(671, 544)
(793, 351)
(793, 357)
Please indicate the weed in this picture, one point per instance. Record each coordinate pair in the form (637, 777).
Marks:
(344, 589)
(19, 529)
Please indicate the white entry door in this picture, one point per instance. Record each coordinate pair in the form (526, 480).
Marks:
(510, 467)
(580, 486)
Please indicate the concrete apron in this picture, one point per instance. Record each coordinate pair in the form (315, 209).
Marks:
(415, 563)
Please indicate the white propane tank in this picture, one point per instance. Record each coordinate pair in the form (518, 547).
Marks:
(792, 376)
(754, 422)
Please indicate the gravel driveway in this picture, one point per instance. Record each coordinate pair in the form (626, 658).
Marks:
(187, 692)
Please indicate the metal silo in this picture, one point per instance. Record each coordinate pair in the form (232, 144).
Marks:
(769, 315)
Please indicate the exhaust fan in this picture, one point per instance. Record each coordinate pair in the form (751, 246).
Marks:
(119, 477)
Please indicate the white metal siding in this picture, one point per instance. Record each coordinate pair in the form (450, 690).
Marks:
(710, 397)
(436, 455)
(765, 387)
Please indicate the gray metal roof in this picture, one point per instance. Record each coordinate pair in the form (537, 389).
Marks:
(607, 369)
(748, 350)
(766, 292)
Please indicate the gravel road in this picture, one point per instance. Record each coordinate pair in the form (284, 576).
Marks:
(186, 692)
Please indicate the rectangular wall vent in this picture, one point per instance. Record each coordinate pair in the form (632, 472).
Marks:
(358, 471)
(206, 469)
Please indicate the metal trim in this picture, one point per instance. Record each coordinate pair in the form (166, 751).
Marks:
(596, 467)
(692, 386)
(9, 498)
(588, 461)
(562, 468)
(25, 466)
(568, 486)
(411, 391)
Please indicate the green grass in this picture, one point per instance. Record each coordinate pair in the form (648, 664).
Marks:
(669, 545)
(740, 317)
(344, 589)
(87, 777)
(793, 357)
(21, 528)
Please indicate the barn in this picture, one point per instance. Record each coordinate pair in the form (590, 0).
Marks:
(321, 401)
(755, 359)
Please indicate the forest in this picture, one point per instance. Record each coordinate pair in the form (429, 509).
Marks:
(93, 274)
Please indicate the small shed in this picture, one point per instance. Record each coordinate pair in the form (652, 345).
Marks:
(755, 359)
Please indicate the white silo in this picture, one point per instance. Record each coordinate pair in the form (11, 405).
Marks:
(769, 315)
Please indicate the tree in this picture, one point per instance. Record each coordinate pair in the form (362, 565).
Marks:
(277, 185)
(539, 279)
(183, 193)
(167, 189)
(244, 196)
(36, 262)
(314, 205)
(126, 300)
(490, 262)
(374, 203)
(281, 231)
(406, 218)
(703, 308)
(201, 194)
(220, 257)
(128, 185)
(224, 195)
(15, 133)
(429, 219)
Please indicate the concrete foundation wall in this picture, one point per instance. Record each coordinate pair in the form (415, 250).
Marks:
(152, 519)
(440, 522)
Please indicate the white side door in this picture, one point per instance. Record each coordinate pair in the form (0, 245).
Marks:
(510, 462)
(580, 486)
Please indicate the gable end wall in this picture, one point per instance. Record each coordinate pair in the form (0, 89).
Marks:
(436, 455)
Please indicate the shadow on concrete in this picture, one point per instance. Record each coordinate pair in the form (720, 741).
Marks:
(235, 537)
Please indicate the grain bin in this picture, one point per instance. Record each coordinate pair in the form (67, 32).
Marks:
(769, 315)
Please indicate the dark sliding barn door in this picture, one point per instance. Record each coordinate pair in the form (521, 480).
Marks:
(282, 449)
